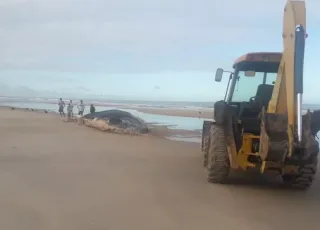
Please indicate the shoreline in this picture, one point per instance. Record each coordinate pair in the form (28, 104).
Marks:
(194, 112)
(156, 130)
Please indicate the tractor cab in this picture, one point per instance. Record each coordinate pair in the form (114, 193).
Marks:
(253, 78)
(249, 90)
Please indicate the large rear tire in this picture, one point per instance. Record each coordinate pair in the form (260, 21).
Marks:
(218, 159)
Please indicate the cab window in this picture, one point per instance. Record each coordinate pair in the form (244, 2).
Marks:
(246, 87)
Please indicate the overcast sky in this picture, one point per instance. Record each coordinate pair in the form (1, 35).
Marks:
(141, 49)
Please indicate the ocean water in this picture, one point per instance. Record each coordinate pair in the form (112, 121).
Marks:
(173, 122)
(136, 103)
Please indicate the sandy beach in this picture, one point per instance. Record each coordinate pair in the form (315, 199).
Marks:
(62, 176)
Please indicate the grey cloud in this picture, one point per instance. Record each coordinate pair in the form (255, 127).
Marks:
(140, 35)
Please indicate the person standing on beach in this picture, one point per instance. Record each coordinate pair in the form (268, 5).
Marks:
(92, 108)
(81, 108)
(70, 110)
(61, 105)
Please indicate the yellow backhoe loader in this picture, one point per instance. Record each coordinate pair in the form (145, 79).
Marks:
(260, 123)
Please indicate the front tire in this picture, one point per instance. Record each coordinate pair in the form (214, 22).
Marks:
(218, 159)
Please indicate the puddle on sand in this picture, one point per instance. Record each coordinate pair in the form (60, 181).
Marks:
(185, 139)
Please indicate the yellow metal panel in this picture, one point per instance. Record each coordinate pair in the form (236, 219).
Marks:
(278, 102)
(246, 144)
(245, 151)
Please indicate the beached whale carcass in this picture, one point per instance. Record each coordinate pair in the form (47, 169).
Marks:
(116, 121)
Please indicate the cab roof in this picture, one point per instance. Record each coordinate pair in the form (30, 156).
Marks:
(259, 62)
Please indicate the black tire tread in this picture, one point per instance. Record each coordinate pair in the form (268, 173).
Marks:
(218, 158)
(205, 150)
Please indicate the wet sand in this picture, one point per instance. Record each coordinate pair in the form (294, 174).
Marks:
(58, 175)
(157, 130)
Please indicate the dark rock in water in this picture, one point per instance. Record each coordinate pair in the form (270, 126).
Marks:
(12, 108)
(45, 111)
(120, 119)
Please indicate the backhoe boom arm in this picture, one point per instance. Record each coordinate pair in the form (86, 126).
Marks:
(287, 95)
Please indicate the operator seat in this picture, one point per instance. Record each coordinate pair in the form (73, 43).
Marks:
(264, 94)
(251, 123)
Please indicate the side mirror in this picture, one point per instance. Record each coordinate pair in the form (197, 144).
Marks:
(219, 74)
